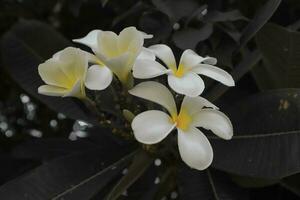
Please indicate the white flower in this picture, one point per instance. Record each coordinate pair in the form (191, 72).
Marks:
(183, 78)
(67, 72)
(117, 52)
(153, 126)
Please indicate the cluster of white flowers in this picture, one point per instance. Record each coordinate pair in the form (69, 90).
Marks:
(72, 70)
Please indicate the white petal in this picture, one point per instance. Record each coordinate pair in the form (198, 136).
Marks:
(146, 54)
(98, 77)
(209, 60)
(195, 104)
(157, 93)
(148, 69)
(90, 39)
(121, 66)
(146, 35)
(52, 90)
(52, 74)
(190, 84)
(75, 62)
(189, 59)
(164, 53)
(215, 121)
(78, 90)
(214, 73)
(194, 148)
(108, 44)
(152, 126)
(130, 39)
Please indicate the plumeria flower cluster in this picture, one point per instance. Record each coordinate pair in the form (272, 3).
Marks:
(72, 70)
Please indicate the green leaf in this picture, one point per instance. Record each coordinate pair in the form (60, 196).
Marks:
(176, 9)
(260, 18)
(266, 141)
(189, 38)
(249, 60)
(22, 54)
(280, 48)
(138, 166)
(249, 182)
(217, 16)
(208, 184)
(292, 183)
(83, 173)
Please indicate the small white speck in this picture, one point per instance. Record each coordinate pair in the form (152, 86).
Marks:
(35, 133)
(113, 168)
(24, 98)
(3, 126)
(157, 180)
(53, 123)
(204, 12)
(9, 133)
(176, 26)
(61, 116)
(157, 162)
(125, 171)
(73, 136)
(174, 195)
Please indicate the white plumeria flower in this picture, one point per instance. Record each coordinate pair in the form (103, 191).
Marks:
(67, 72)
(117, 52)
(153, 126)
(183, 78)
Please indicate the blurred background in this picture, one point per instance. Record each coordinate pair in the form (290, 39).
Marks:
(31, 133)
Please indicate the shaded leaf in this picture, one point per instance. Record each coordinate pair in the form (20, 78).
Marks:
(65, 176)
(292, 183)
(280, 48)
(249, 60)
(266, 141)
(189, 38)
(21, 56)
(261, 17)
(156, 23)
(176, 9)
(138, 166)
(208, 184)
(217, 16)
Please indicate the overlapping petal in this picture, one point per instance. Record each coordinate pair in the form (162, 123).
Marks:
(144, 68)
(190, 84)
(195, 104)
(215, 121)
(98, 77)
(157, 93)
(214, 73)
(164, 53)
(152, 126)
(194, 148)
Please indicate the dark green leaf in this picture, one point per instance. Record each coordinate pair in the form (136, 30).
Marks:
(66, 177)
(266, 141)
(156, 23)
(292, 183)
(138, 166)
(189, 38)
(280, 48)
(208, 184)
(217, 16)
(260, 18)
(22, 54)
(249, 60)
(176, 9)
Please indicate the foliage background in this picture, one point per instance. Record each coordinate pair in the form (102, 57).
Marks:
(44, 154)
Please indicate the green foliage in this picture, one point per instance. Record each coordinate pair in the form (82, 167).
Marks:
(264, 150)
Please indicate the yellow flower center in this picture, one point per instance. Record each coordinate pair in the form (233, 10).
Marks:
(183, 120)
(180, 71)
